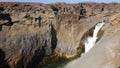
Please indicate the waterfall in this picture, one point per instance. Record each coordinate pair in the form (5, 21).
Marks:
(91, 40)
(89, 43)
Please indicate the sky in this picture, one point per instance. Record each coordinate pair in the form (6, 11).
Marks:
(66, 1)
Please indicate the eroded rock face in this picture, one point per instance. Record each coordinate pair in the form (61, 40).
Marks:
(30, 32)
(106, 51)
(115, 19)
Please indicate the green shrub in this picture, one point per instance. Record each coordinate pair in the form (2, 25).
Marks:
(27, 16)
(53, 8)
(1, 8)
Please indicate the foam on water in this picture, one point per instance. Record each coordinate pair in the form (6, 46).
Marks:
(89, 43)
(91, 40)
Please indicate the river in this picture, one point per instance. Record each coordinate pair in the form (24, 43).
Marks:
(89, 44)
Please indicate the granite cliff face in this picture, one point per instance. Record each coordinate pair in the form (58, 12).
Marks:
(33, 34)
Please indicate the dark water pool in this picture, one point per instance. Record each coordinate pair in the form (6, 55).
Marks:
(58, 64)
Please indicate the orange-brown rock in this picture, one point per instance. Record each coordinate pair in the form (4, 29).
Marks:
(115, 19)
(32, 32)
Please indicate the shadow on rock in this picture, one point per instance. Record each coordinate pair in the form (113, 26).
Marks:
(35, 61)
(6, 17)
(3, 63)
(38, 57)
(0, 27)
(54, 38)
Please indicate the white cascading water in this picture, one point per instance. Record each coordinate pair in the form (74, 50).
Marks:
(91, 40)
(88, 45)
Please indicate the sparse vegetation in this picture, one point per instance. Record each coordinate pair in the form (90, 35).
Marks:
(53, 8)
(15, 5)
(1, 8)
(27, 16)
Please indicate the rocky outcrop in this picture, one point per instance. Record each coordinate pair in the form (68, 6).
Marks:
(33, 34)
(115, 19)
(106, 50)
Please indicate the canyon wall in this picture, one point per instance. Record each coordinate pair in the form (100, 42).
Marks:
(33, 34)
(106, 52)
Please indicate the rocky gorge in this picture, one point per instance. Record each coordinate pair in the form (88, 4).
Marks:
(33, 35)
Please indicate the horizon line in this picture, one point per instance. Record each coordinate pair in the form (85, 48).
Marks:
(56, 2)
